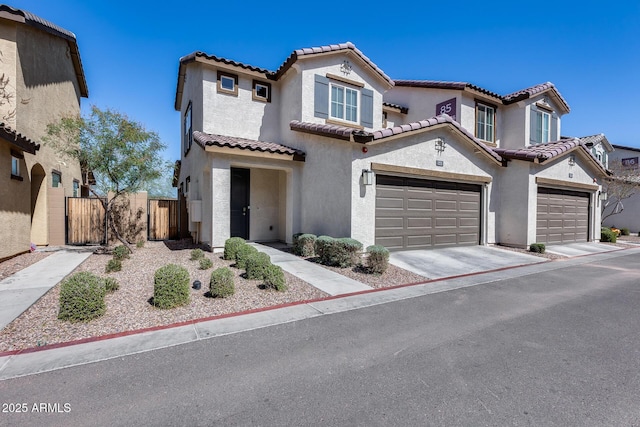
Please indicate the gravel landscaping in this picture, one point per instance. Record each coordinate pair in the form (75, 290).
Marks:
(13, 265)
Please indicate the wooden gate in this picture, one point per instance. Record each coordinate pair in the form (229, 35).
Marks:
(163, 219)
(86, 221)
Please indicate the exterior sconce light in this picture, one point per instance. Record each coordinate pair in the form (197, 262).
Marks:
(367, 177)
(572, 160)
(440, 145)
(603, 196)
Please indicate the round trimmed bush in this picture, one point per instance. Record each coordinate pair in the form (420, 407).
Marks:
(274, 278)
(539, 248)
(624, 231)
(256, 265)
(231, 247)
(378, 259)
(221, 284)
(113, 265)
(197, 254)
(170, 286)
(607, 235)
(243, 253)
(82, 298)
(304, 245)
(205, 264)
(321, 245)
(120, 252)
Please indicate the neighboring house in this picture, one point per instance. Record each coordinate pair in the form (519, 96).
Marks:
(44, 80)
(629, 216)
(329, 144)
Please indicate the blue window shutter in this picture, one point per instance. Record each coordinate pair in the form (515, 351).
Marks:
(533, 128)
(366, 114)
(321, 97)
(554, 127)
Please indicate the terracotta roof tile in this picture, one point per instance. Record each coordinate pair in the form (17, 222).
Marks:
(18, 140)
(333, 131)
(205, 139)
(403, 110)
(191, 57)
(437, 84)
(534, 90)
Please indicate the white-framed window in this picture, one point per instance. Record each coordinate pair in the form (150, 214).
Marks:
(227, 83)
(543, 128)
(485, 122)
(76, 188)
(56, 179)
(188, 129)
(261, 91)
(15, 166)
(344, 103)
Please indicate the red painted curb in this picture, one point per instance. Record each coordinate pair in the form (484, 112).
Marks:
(275, 307)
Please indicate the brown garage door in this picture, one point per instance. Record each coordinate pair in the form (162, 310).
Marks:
(563, 216)
(421, 214)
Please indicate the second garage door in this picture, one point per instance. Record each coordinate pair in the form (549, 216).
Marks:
(563, 216)
(415, 213)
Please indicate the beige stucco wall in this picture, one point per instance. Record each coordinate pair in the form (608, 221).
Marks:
(15, 212)
(630, 216)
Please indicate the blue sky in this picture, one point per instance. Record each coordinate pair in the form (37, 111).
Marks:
(589, 49)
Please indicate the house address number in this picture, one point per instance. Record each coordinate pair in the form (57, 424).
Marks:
(447, 107)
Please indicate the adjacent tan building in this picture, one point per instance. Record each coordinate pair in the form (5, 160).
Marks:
(43, 80)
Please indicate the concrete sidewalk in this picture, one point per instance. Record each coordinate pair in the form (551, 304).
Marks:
(38, 361)
(579, 249)
(319, 277)
(20, 291)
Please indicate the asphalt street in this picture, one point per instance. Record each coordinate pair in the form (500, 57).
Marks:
(560, 347)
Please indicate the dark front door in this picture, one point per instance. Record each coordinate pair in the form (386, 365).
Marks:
(240, 203)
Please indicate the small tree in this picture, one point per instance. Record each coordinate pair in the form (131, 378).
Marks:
(123, 156)
(624, 183)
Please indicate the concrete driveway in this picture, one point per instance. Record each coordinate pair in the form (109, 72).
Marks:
(447, 262)
(577, 249)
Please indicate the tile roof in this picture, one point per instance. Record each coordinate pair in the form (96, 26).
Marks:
(192, 56)
(28, 18)
(535, 90)
(597, 139)
(403, 110)
(205, 139)
(625, 147)
(345, 133)
(296, 54)
(18, 140)
(437, 84)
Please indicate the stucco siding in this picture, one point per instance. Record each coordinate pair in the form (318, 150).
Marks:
(630, 215)
(15, 212)
(512, 221)
(422, 102)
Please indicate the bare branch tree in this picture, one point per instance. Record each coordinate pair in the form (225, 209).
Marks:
(624, 183)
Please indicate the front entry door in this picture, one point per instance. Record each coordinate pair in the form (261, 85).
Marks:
(240, 203)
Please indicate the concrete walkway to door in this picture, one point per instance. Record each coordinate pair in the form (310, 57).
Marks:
(455, 261)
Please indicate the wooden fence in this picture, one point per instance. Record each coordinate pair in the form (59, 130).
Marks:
(163, 219)
(86, 221)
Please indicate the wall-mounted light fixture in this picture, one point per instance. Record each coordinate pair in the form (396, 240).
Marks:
(440, 145)
(367, 177)
(603, 196)
(572, 160)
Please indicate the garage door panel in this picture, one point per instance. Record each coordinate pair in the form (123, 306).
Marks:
(434, 213)
(563, 216)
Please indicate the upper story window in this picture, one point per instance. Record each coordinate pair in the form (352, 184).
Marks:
(227, 83)
(544, 124)
(261, 91)
(188, 129)
(351, 105)
(56, 179)
(485, 122)
(76, 188)
(15, 165)
(344, 103)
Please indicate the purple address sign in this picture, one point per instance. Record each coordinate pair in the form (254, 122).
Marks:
(631, 162)
(447, 107)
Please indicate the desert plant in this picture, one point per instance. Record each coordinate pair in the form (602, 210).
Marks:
(205, 264)
(615, 230)
(113, 265)
(377, 259)
(221, 284)
(607, 235)
(274, 278)
(256, 265)
(624, 231)
(351, 249)
(170, 286)
(140, 243)
(295, 238)
(82, 298)
(110, 284)
(321, 244)
(120, 252)
(342, 252)
(304, 245)
(197, 254)
(539, 248)
(243, 253)
(231, 247)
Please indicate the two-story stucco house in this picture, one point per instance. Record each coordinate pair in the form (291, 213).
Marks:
(329, 144)
(43, 80)
(627, 166)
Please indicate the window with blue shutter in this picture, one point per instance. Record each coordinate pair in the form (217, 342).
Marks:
(321, 97)
(366, 116)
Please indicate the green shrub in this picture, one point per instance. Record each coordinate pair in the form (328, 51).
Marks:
(82, 298)
(295, 238)
(231, 247)
(140, 244)
(256, 265)
(321, 244)
(113, 265)
(111, 284)
(606, 235)
(304, 245)
(377, 259)
(221, 284)
(243, 253)
(638, 233)
(352, 249)
(539, 248)
(624, 231)
(274, 278)
(170, 286)
(197, 254)
(342, 252)
(120, 252)
(205, 264)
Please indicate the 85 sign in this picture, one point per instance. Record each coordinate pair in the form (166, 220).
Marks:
(447, 107)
